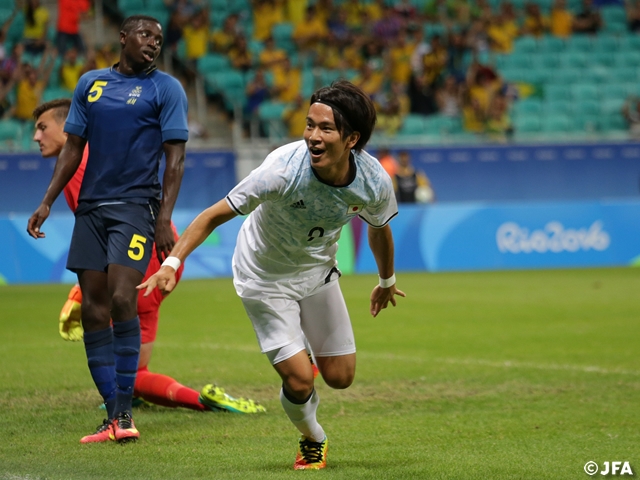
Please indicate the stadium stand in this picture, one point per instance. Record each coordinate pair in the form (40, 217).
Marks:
(577, 84)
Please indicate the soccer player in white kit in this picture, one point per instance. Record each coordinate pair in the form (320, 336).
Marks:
(284, 264)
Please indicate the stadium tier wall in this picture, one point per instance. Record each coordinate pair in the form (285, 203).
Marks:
(498, 207)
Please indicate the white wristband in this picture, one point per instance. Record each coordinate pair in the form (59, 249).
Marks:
(387, 282)
(173, 262)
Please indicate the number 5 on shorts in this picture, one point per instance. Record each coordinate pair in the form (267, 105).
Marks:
(136, 247)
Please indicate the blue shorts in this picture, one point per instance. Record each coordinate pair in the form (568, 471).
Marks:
(122, 234)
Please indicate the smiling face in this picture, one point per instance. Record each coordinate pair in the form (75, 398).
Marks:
(141, 45)
(328, 150)
(49, 134)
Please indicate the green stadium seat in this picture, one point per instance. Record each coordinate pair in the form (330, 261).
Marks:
(551, 44)
(526, 44)
(579, 43)
(156, 5)
(614, 91)
(626, 58)
(613, 122)
(606, 43)
(11, 134)
(584, 91)
(597, 75)
(527, 123)
(413, 124)
(54, 93)
(212, 63)
(518, 60)
(565, 76)
(625, 74)
(132, 7)
(270, 113)
(230, 84)
(563, 105)
(239, 6)
(587, 107)
(282, 35)
(613, 17)
(555, 92)
(528, 106)
(629, 42)
(558, 122)
(604, 59)
(545, 60)
(611, 106)
(575, 59)
(14, 34)
(587, 122)
(219, 5)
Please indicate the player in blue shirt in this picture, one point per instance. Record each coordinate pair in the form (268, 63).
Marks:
(130, 115)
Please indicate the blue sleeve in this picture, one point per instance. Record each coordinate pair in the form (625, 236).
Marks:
(76, 123)
(173, 111)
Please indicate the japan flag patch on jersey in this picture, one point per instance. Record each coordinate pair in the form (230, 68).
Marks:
(353, 209)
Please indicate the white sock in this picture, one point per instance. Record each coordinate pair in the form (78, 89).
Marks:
(303, 416)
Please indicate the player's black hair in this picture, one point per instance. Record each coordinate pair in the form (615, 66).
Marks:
(353, 110)
(60, 107)
(130, 22)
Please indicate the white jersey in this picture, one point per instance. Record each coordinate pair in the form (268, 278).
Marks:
(295, 218)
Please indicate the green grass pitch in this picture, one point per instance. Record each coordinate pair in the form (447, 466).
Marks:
(494, 375)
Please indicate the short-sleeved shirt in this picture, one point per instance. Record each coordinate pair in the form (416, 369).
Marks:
(295, 218)
(126, 119)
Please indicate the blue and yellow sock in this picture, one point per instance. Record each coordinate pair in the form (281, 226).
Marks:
(99, 348)
(126, 348)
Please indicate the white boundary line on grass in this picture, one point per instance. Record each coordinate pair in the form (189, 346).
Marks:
(453, 361)
(502, 364)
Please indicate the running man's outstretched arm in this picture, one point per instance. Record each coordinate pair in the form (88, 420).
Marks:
(381, 244)
(66, 165)
(196, 233)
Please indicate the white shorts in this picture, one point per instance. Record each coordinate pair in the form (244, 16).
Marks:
(282, 311)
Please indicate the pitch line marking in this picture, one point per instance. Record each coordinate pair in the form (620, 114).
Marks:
(453, 361)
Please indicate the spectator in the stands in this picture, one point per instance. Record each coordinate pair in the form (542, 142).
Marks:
(457, 53)
(257, 91)
(588, 20)
(106, 56)
(287, 81)
(240, 56)
(70, 13)
(449, 97)
(400, 59)
(32, 85)
(295, 117)
(390, 116)
(222, 39)
(476, 37)
(173, 33)
(4, 30)
(196, 40)
(501, 33)
(535, 23)
(11, 63)
(353, 10)
(632, 9)
(388, 27)
(36, 23)
(370, 80)
(498, 126)
(311, 32)
(561, 19)
(266, 13)
(271, 56)
(338, 27)
(71, 69)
